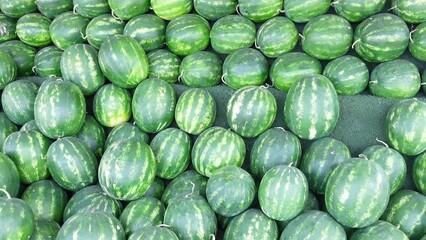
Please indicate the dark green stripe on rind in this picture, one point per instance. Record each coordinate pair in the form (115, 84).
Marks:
(156, 189)
(201, 69)
(45, 230)
(112, 105)
(213, 10)
(16, 219)
(171, 9)
(419, 173)
(8, 26)
(8, 69)
(128, 9)
(9, 176)
(303, 11)
(33, 29)
(379, 230)
(53, 8)
(22, 55)
(410, 11)
(164, 65)
(125, 131)
(91, 8)
(47, 62)
(7, 128)
(93, 135)
(260, 10)
(149, 30)
(17, 8)
(358, 10)
(101, 28)
(68, 29)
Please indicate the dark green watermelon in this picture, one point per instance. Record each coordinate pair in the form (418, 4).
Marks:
(156, 189)
(93, 135)
(53, 8)
(164, 65)
(358, 10)
(112, 105)
(410, 11)
(68, 29)
(417, 45)
(9, 28)
(125, 131)
(213, 10)
(47, 62)
(128, 9)
(8, 70)
(22, 54)
(9, 176)
(154, 233)
(16, 218)
(7, 127)
(44, 229)
(419, 173)
(149, 30)
(91, 8)
(201, 69)
(260, 10)
(17, 8)
(101, 28)
(379, 230)
(33, 29)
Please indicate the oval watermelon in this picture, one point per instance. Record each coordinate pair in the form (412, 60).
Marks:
(171, 9)
(17, 217)
(68, 29)
(53, 8)
(101, 28)
(358, 10)
(93, 135)
(213, 10)
(149, 30)
(201, 69)
(128, 9)
(91, 8)
(112, 105)
(303, 11)
(22, 55)
(417, 45)
(125, 131)
(164, 65)
(9, 176)
(33, 29)
(419, 173)
(47, 62)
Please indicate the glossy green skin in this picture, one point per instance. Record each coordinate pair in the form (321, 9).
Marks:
(217, 147)
(182, 212)
(47, 62)
(46, 199)
(245, 67)
(8, 70)
(94, 225)
(320, 159)
(327, 37)
(128, 9)
(125, 131)
(381, 37)
(33, 29)
(188, 183)
(68, 29)
(214, 10)
(164, 65)
(405, 128)
(395, 79)
(251, 224)
(154, 233)
(171, 9)
(187, 34)
(195, 111)
(149, 30)
(22, 55)
(419, 173)
(230, 191)
(101, 28)
(172, 150)
(30, 126)
(31, 165)
(360, 199)
(260, 10)
(9, 28)
(251, 110)
(301, 12)
(231, 33)
(93, 135)
(407, 211)
(358, 10)
(44, 229)
(92, 199)
(16, 219)
(156, 189)
(201, 69)
(417, 46)
(65, 116)
(141, 213)
(410, 11)
(153, 105)
(318, 120)
(112, 105)
(18, 8)
(91, 8)
(53, 8)
(290, 67)
(277, 36)
(17, 101)
(72, 164)
(379, 230)
(314, 225)
(7, 128)
(9, 176)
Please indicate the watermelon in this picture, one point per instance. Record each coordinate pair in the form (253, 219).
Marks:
(101, 28)
(111, 105)
(201, 69)
(128, 9)
(154, 233)
(30, 126)
(231, 33)
(145, 211)
(277, 36)
(149, 30)
(127, 170)
(314, 225)
(195, 111)
(417, 45)
(379, 42)
(217, 147)
(7, 127)
(303, 11)
(156, 189)
(33, 29)
(123, 61)
(379, 230)
(59, 108)
(53, 8)
(407, 211)
(8, 69)
(405, 128)
(8, 26)
(419, 173)
(187, 34)
(290, 67)
(44, 229)
(191, 217)
(357, 192)
(91, 8)
(423, 84)
(320, 116)
(68, 29)
(251, 224)
(320, 158)
(32, 165)
(94, 225)
(213, 10)
(9, 176)
(260, 10)
(22, 55)
(171, 9)
(410, 11)
(275, 146)
(92, 199)
(47, 200)
(245, 67)
(125, 131)
(164, 65)
(17, 8)
(93, 135)
(153, 105)
(72, 164)
(358, 10)
(47, 62)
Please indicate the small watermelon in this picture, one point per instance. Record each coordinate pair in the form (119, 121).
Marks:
(68, 29)
(33, 29)
(17, 8)
(417, 45)
(379, 230)
(53, 8)
(128, 9)
(419, 173)
(91, 8)
(93, 135)
(7, 127)
(8, 28)
(47, 62)
(44, 229)
(171, 9)
(201, 69)
(358, 10)
(112, 105)
(9, 176)
(149, 30)
(8, 70)
(23, 56)
(303, 11)
(101, 28)
(164, 65)
(125, 131)
(213, 10)
(260, 10)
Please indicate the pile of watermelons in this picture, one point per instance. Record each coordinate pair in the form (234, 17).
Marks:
(213, 119)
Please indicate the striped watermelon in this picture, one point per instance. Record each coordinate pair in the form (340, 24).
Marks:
(47, 62)
(187, 34)
(410, 11)
(419, 173)
(127, 170)
(292, 66)
(321, 114)
(8, 70)
(112, 105)
(407, 211)
(46, 199)
(358, 10)
(32, 165)
(153, 105)
(191, 217)
(125, 131)
(149, 30)
(231, 33)
(230, 191)
(156, 189)
(417, 45)
(164, 65)
(93, 135)
(9, 176)
(376, 42)
(91, 8)
(260, 10)
(154, 233)
(245, 67)
(30, 126)
(101, 28)
(405, 128)
(201, 69)
(33, 29)
(379, 230)
(213, 10)
(172, 150)
(68, 29)
(357, 192)
(195, 111)
(217, 147)
(128, 9)
(17, 8)
(21, 54)
(145, 211)
(45, 230)
(53, 8)
(8, 26)
(303, 11)
(171, 9)
(72, 164)
(7, 127)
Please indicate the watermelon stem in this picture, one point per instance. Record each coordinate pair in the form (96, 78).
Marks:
(5, 192)
(223, 79)
(192, 190)
(265, 86)
(357, 41)
(82, 36)
(212, 236)
(411, 35)
(281, 128)
(237, 8)
(363, 156)
(74, 9)
(374, 81)
(115, 17)
(164, 225)
(334, 3)
(34, 70)
(423, 83)
(180, 76)
(281, 11)
(392, 8)
(255, 44)
(301, 36)
(382, 142)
